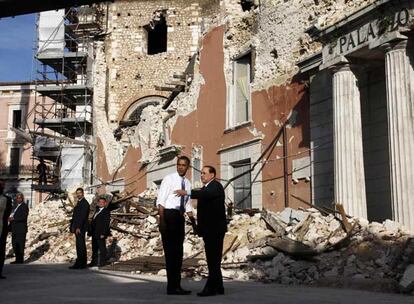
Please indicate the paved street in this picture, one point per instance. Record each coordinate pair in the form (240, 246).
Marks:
(39, 283)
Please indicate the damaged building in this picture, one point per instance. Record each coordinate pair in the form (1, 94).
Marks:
(197, 92)
(293, 102)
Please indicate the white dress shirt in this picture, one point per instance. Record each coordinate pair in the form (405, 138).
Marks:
(166, 196)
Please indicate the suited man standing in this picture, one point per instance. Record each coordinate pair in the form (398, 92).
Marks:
(79, 226)
(18, 228)
(99, 231)
(5, 210)
(211, 226)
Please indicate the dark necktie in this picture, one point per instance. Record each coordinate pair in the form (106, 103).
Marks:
(182, 201)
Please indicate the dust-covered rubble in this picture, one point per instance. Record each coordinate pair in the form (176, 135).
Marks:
(315, 247)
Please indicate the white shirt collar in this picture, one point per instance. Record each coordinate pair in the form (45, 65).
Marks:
(208, 183)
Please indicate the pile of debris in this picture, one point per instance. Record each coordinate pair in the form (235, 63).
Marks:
(290, 247)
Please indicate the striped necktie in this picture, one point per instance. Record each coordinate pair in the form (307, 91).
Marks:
(182, 199)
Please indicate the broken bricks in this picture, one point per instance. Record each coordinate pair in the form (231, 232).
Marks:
(290, 247)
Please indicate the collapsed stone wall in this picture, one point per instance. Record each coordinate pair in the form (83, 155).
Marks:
(102, 129)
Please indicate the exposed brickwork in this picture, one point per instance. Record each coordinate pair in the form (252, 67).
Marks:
(130, 69)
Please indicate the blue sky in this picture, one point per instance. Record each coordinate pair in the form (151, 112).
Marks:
(17, 37)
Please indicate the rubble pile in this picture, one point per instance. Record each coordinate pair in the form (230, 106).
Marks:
(371, 251)
(289, 247)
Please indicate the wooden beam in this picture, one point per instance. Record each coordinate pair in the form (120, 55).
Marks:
(170, 89)
(176, 83)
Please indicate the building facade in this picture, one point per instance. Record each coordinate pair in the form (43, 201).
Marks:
(364, 116)
(16, 99)
(199, 95)
(294, 103)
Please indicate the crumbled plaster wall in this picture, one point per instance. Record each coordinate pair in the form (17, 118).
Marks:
(186, 102)
(154, 130)
(149, 133)
(276, 29)
(102, 129)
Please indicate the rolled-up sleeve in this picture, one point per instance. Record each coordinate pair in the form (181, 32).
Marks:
(163, 192)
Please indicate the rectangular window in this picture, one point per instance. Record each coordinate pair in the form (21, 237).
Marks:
(17, 118)
(240, 91)
(14, 160)
(196, 171)
(156, 32)
(242, 185)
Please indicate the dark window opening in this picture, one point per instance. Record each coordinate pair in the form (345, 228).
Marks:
(247, 5)
(157, 35)
(242, 185)
(17, 118)
(14, 160)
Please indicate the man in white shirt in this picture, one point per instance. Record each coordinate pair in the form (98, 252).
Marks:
(171, 209)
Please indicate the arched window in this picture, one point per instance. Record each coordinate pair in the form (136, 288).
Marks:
(135, 110)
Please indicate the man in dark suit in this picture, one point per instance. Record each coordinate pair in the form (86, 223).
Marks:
(100, 231)
(5, 210)
(79, 226)
(211, 226)
(18, 228)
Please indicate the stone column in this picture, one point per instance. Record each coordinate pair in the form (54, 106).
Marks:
(400, 103)
(348, 152)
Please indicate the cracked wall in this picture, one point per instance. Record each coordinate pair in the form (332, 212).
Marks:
(219, 31)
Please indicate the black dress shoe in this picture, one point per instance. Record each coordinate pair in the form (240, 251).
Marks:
(92, 264)
(185, 291)
(178, 291)
(207, 293)
(81, 267)
(77, 267)
(16, 262)
(2, 277)
(74, 266)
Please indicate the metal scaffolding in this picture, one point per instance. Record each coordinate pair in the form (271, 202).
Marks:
(64, 91)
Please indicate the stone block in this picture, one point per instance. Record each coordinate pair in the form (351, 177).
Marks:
(407, 281)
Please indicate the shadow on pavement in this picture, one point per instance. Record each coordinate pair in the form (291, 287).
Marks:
(55, 283)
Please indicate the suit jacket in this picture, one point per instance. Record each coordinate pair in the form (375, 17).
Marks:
(80, 216)
(5, 211)
(100, 224)
(19, 224)
(211, 212)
